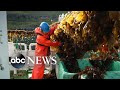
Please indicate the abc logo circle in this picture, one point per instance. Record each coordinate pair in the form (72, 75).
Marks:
(17, 61)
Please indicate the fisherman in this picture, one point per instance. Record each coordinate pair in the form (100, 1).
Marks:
(43, 47)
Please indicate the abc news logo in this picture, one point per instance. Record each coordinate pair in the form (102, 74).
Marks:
(18, 61)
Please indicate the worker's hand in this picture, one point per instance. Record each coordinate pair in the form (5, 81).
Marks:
(61, 44)
(55, 26)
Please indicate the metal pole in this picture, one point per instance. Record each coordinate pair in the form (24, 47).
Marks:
(4, 57)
